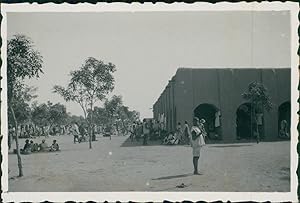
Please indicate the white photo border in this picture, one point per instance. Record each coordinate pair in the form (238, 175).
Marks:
(292, 7)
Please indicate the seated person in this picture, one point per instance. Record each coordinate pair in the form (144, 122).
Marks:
(27, 148)
(44, 146)
(283, 132)
(54, 146)
(170, 139)
(82, 138)
(35, 147)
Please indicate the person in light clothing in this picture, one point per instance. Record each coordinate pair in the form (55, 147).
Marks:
(197, 141)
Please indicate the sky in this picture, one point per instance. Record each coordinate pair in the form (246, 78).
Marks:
(148, 47)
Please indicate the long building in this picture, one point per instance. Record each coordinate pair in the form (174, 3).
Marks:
(216, 96)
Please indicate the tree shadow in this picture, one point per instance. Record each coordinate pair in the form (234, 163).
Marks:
(174, 176)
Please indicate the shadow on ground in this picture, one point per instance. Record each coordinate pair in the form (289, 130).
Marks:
(240, 145)
(174, 176)
(135, 143)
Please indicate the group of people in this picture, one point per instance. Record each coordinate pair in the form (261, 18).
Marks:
(30, 130)
(179, 136)
(30, 147)
(79, 132)
(146, 130)
(284, 129)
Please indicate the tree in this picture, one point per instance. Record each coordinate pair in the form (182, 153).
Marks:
(23, 61)
(52, 114)
(257, 95)
(112, 107)
(117, 112)
(57, 114)
(100, 116)
(40, 115)
(91, 83)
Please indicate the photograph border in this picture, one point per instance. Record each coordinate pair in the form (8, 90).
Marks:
(154, 196)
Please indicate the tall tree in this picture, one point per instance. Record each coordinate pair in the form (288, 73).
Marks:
(23, 61)
(91, 83)
(257, 95)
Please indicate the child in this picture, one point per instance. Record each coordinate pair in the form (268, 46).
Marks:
(197, 141)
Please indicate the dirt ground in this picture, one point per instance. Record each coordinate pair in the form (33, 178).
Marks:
(119, 165)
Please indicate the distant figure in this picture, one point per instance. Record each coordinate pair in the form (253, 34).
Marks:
(186, 133)
(54, 146)
(27, 148)
(283, 132)
(146, 131)
(35, 147)
(197, 141)
(139, 131)
(171, 139)
(132, 131)
(75, 132)
(179, 133)
(44, 146)
(11, 135)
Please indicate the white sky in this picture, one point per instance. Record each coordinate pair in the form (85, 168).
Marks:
(148, 47)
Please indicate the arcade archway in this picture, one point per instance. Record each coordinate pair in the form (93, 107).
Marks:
(211, 114)
(243, 121)
(284, 120)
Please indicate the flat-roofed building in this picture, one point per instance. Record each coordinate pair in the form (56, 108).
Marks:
(216, 96)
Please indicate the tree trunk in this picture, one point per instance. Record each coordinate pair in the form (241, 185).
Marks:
(91, 128)
(17, 143)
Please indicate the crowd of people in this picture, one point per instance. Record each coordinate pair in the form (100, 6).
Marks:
(30, 146)
(146, 130)
(153, 130)
(31, 131)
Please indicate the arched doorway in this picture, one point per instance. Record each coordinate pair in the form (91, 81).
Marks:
(243, 121)
(211, 114)
(284, 120)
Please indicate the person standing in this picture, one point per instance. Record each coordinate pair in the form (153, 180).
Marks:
(132, 131)
(197, 142)
(146, 132)
(186, 133)
(75, 132)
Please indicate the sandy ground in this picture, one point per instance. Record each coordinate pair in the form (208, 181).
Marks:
(119, 165)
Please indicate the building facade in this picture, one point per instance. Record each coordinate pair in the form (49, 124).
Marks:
(216, 96)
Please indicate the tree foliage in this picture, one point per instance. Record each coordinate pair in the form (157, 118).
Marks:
(257, 94)
(23, 61)
(119, 114)
(90, 83)
(49, 114)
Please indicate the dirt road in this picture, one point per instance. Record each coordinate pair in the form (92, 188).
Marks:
(118, 165)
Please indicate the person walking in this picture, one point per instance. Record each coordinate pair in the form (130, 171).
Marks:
(197, 141)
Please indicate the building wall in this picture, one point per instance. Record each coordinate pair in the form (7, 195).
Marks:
(223, 88)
